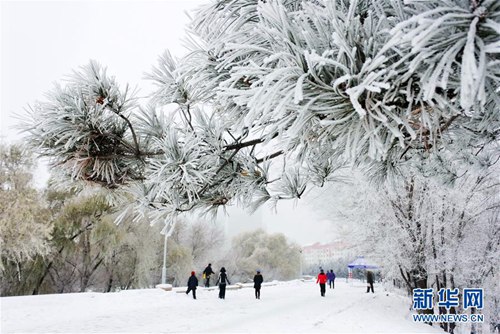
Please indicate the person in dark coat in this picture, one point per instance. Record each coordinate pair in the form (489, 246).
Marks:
(192, 284)
(222, 281)
(207, 272)
(322, 282)
(331, 278)
(369, 280)
(257, 283)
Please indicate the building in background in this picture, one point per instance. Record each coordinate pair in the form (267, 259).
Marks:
(319, 254)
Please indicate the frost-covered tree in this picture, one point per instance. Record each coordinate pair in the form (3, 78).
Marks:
(202, 239)
(428, 235)
(25, 225)
(91, 252)
(273, 254)
(304, 86)
(82, 246)
(422, 233)
(133, 257)
(179, 263)
(192, 245)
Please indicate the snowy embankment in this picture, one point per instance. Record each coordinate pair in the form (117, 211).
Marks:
(288, 307)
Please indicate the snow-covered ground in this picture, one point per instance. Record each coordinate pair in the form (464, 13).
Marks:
(288, 307)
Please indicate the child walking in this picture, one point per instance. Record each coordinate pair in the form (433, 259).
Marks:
(192, 284)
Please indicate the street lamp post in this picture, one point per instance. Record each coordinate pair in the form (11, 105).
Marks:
(300, 261)
(168, 230)
(164, 269)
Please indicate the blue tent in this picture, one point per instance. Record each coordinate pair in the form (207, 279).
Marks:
(362, 263)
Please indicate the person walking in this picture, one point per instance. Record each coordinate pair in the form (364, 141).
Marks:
(222, 281)
(369, 279)
(331, 278)
(206, 273)
(257, 283)
(322, 282)
(192, 284)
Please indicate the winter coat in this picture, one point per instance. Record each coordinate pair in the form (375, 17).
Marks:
(208, 271)
(369, 277)
(223, 278)
(321, 278)
(257, 281)
(192, 282)
(330, 276)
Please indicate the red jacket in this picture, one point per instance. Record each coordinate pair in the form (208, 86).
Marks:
(321, 279)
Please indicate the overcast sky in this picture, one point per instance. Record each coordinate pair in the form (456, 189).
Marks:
(42, 41)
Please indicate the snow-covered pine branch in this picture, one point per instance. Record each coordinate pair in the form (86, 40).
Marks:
(382, 84)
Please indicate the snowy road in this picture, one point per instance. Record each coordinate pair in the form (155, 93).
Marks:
(292, 307)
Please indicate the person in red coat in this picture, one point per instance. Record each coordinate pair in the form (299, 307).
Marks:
(322, 282)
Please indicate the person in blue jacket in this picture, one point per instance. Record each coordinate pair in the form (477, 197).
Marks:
(331, 278)
(192, 284)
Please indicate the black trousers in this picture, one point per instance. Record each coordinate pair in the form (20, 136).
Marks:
(194, 292)
(322, 287)
(370, 286)
(332, 284)
(222, 291)
(257, 292)
(207, 282)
